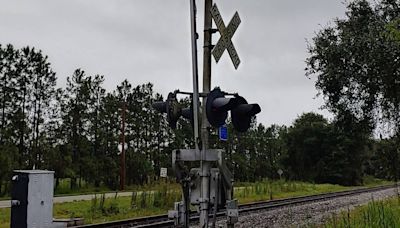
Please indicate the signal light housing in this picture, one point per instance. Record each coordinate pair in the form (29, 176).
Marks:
(242, 114)
(173, 109)
(217, 107)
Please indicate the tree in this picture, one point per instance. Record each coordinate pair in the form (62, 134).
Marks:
(75, 118)
(385, 158)
(9, 155)
(42, 81)
(351, 144)
(356, 62)
(326, 152)
(108, 161)
(27, 85)
(308, 152)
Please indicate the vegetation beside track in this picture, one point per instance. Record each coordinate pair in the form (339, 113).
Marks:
(375, 214)
(159, 199)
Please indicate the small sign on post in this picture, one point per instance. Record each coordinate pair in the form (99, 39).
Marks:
(223, 133)
(163, 172)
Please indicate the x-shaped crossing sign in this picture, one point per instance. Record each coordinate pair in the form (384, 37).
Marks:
(225, 41)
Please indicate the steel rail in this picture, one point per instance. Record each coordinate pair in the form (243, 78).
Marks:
(162, 221)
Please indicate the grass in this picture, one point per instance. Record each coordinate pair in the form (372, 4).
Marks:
(5, 214)
(253, 192)
(63, 189)
(370, 181)
(373, 215)
(100, 209)
(159, 198)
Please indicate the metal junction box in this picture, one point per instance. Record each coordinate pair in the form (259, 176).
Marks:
(214, 187)
(32, 199)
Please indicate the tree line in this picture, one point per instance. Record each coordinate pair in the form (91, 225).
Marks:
(76, 131)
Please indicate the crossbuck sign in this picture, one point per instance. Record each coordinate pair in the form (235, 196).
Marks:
(225, 41)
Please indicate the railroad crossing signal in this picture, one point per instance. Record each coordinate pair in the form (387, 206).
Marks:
(173, 109)
(197, 188)
(218, 105)
(225, 41)
(243, 113)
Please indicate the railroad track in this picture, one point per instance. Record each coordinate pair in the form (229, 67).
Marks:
(159, 221)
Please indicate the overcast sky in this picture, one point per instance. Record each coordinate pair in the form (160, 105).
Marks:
(149, 41)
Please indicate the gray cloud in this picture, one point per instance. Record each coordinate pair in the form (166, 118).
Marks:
(149, 40)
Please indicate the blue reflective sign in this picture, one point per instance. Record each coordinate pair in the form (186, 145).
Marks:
(223, 133)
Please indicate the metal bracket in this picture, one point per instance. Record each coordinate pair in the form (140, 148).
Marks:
(211, 46)
(15, 202)
(195, 155)
(201, 94)
(232, 212)
(221, 188)
(178, 214)
(227, 176)
(212, 30)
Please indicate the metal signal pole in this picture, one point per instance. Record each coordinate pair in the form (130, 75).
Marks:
(205, 166)
(198, 183)
(193, 11)
(195, 98)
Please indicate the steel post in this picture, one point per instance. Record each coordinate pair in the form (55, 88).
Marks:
(205, 165)
(195, 98)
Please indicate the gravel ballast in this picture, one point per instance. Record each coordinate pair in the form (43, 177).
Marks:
(310, 213)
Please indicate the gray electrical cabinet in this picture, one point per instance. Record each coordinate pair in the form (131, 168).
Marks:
(32, 199)
(215, 188)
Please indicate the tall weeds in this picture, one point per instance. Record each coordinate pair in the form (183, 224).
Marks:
(373, 215)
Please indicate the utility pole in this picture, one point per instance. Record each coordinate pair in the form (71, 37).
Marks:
(205, 165)
(123, 166)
